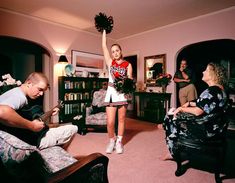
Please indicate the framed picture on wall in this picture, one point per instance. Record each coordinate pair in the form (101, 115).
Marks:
(85, 62)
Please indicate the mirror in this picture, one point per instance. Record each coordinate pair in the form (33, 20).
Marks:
(153, 66)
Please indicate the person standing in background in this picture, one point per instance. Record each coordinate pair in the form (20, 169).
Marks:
(114, 100)
(184, 78)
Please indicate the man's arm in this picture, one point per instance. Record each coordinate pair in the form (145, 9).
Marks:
(10, 117)
(178, 80)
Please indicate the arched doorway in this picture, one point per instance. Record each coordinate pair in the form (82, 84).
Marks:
(200, 54)
(20, 57)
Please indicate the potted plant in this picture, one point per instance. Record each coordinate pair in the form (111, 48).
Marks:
(163, 80)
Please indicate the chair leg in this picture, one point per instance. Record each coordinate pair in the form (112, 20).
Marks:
(178, 159)
(218, 170)
(219, 164)
(218, 178)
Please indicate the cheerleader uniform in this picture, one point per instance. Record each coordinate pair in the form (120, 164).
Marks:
(113, 97)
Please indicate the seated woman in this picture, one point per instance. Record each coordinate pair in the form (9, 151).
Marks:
(211, 101)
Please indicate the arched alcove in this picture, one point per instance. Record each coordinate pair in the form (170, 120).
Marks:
(200, 54)
(20, 57)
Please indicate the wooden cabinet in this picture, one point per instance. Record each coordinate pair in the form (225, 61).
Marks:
(150, 106)
(76, 93)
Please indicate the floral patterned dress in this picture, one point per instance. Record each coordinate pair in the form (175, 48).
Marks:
(212, 101)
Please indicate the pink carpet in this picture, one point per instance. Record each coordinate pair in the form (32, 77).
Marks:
(144, 144)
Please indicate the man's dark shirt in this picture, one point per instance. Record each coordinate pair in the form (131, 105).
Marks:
(178, 74)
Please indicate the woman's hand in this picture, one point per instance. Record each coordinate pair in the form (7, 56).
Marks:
(179, 109)
(186, 105)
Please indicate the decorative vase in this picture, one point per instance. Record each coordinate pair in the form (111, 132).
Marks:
(85, 74)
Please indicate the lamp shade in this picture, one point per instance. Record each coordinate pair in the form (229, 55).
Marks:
(63, 59)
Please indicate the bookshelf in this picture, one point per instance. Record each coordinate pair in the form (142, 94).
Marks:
(76, 93)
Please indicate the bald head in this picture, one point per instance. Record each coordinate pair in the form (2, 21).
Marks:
(35, 85)
(37, 77)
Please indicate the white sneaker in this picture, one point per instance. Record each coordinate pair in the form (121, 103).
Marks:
(119, 147)
(110, 147)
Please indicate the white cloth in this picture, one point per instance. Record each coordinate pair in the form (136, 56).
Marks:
(58, 136)
(116, 97)
(112, 96)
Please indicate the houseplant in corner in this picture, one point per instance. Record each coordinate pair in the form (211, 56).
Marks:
(163, 80)
(8, 83)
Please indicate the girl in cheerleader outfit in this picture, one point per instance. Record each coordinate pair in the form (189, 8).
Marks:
(114, 100)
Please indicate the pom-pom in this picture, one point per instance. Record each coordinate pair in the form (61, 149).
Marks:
(124, 85)
(102, 22)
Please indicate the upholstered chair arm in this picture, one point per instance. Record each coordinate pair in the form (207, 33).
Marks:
(87, 168)
(88, 111)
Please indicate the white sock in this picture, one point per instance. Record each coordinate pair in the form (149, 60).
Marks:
(119, 138)
(112, 140)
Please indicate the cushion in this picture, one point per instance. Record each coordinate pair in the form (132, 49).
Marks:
(98, 98)
(97, 119)
(96, 109)
(14, 150)
(56, 158)
(13, 153)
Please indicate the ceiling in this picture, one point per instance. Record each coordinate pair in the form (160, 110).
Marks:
(130, 16)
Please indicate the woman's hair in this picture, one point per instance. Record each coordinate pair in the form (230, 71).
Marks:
(219, 73)
(117, 46)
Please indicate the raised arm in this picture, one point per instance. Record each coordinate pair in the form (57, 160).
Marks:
(107, 58)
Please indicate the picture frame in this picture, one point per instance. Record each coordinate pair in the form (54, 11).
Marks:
(153, 66)
(85, 62)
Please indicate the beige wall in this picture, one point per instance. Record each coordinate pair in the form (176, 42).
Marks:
(55, 38)
(170, 39)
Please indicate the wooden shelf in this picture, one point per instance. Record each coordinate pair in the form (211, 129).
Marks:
(76, 93)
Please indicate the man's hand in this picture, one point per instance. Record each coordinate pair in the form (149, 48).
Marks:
(182, 69)
(37, 125)
(55, 111)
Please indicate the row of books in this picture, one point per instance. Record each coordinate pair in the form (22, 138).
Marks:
(81, 84)
(77, 96)
(74, 108)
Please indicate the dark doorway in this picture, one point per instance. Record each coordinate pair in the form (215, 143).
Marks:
(133, 60)
(20, 57)
(200, 54)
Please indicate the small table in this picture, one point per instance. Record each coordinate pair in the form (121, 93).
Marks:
(151, 106)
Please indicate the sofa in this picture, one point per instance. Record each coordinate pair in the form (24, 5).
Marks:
(23, 163)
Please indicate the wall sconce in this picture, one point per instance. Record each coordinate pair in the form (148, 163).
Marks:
(63, 59)
(60, 66)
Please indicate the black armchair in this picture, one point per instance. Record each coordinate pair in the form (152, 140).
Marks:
(200, 143)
